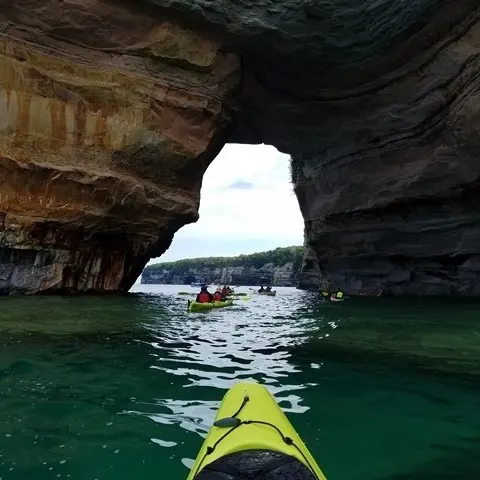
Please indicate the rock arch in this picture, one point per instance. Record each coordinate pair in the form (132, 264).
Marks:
(110, 112)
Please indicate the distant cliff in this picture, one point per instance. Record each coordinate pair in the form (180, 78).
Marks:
(279, 267)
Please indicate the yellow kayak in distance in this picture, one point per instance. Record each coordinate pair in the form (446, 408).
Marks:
(252, 438)
(203, 307)
(244, 298)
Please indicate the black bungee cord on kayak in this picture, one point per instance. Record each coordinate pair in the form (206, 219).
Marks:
(233, 423)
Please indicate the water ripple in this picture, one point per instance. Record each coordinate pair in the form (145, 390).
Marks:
(127, 386)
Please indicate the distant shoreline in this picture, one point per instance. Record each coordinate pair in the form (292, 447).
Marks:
(280, 267)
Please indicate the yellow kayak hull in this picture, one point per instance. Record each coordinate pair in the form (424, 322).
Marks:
(258, 425)
(202, 307)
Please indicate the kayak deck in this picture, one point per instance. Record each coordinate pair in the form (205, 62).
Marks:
(252, 432)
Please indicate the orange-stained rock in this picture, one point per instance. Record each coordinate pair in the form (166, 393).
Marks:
(108, 118)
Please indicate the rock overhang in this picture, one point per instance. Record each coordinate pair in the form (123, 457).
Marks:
(110, 112)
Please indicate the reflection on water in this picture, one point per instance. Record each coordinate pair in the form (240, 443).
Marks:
(126, 387)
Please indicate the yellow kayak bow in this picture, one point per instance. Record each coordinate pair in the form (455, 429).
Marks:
(252, 438)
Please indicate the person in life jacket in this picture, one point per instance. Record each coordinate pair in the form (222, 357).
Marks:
(204, 296)
(217, 296)
(224, 291)
(261, 289)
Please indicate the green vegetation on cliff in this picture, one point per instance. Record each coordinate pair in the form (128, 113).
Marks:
(279, 256)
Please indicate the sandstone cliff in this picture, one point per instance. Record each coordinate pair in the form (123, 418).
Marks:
(109, 115)
(275, 267)
(278, 275)
(110, 112)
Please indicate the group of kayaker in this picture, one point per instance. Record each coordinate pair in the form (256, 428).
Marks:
(334, 297)
(267, 289)
(220, 294)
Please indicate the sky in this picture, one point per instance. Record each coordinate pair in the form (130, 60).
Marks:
(247, 205)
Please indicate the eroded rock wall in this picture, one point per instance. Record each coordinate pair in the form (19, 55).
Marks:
(383, 128)
(390, 199)
(377, 101)
(109, 115)
(110, 112)
(277, 275)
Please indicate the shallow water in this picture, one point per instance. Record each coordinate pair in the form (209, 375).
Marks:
(126, 387)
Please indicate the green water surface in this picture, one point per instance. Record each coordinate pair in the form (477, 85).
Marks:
(126, 387)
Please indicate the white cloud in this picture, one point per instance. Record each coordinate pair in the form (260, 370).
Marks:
(243, 219)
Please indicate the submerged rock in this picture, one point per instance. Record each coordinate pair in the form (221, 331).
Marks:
(110, 112)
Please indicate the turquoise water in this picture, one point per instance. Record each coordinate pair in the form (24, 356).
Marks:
(126, 387)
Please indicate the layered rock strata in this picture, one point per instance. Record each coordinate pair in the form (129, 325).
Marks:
(109, 116)
(377, 103)
(111, 111)
(277, 275)
(389, 200)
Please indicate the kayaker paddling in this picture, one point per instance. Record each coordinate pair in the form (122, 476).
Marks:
(226, 291)
(337, 297)
(218, 296)
(204, 296)
(267, 291)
